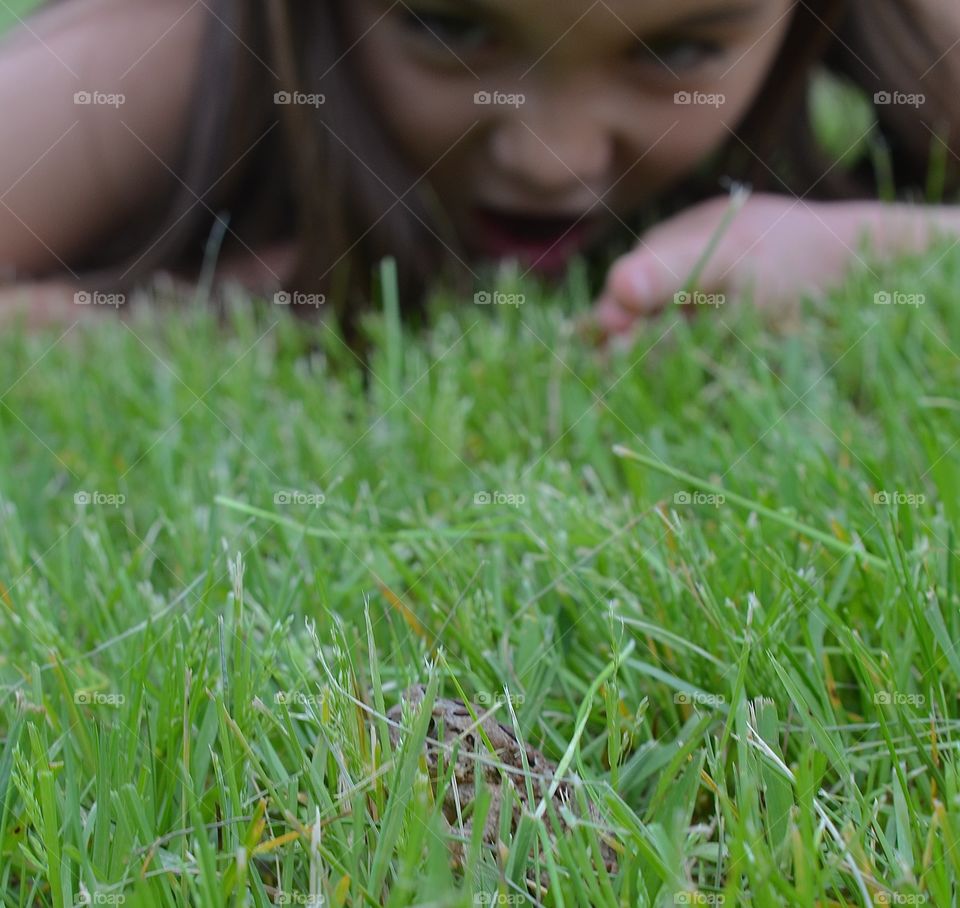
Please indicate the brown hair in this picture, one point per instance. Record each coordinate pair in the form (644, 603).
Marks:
(295, 171)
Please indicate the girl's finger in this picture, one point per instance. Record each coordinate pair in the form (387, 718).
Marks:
(41, 304)
(647, 280)
(611, 318)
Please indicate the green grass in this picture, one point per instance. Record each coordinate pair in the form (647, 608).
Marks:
(13, 10)
(695, 520)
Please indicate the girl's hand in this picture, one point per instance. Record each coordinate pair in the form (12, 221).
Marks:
(57, 302)
(776, 247)
(41, 305)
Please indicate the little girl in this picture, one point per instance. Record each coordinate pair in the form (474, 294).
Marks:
(295, 143)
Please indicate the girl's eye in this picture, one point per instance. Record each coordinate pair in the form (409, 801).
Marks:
(448, 28)
(680, 54)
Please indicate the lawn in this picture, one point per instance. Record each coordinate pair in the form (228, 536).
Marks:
(13, 10)
(714, 575)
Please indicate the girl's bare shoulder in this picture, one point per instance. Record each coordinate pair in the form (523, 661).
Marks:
(106, 113)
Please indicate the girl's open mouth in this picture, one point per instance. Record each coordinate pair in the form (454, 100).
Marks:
(540, 242)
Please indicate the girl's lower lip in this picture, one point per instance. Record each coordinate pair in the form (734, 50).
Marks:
(548, 253)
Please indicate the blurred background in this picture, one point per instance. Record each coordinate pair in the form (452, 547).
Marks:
(12, 9)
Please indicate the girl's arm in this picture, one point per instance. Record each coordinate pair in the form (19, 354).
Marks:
(94, 98)
(777, 248)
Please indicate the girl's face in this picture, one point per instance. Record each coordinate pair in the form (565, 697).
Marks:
(542, 124)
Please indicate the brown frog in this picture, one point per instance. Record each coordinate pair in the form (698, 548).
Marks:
(452, 725)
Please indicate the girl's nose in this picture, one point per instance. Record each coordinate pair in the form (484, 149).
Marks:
(551, 151)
